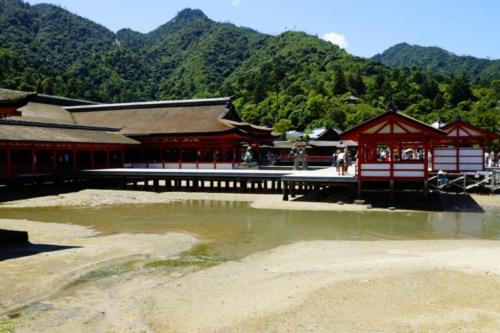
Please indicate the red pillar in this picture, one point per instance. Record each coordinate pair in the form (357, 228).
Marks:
(426, 159)
(74, 161)
(9, 163)
(107, 159)
(391, 159)
(92, 162)
(180, 156)
(33, 160)
(162, 159)
(54, 160)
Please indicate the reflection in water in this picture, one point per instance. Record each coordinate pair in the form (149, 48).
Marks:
(235, 229)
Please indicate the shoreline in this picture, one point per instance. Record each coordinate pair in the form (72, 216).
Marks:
(72, 251)
(424, 286)
(81, 280)
(96, 198)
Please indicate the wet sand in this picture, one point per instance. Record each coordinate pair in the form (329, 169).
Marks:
(68, 252)
(93, 198)
(315, 286)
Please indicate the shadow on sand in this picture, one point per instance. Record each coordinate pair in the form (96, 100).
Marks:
(27, 192)
(435, 202)
(29, 249)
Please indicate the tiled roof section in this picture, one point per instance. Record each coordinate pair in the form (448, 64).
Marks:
(163, 117)
(28, 131)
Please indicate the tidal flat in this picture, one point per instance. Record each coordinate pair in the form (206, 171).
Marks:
(198, 265)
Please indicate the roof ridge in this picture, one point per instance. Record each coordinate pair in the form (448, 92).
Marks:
(153, 104)
(56, 125)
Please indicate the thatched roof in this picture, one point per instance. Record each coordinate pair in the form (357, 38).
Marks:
(47, 113)
(199, 116)
(14, 97)
(11, 130)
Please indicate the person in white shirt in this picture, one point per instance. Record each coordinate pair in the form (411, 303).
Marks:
(340, 163)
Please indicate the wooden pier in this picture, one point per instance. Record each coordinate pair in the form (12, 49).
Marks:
(317, 184)
(288, 182)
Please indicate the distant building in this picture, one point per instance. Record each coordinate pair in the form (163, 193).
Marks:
(41, 134)
(352, 100)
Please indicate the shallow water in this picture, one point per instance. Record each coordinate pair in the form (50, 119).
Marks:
(234, 229)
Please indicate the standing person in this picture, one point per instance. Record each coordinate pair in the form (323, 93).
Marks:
(383, 155)
(340, 163)
(491, 159)
(334, 159)
(347, 160)
(486, 158)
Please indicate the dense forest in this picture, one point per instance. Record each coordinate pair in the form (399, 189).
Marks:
(436, 60)
(292, 80)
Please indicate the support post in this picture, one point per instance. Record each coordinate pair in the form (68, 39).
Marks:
(33, 160)
(9, 164)
(107, 159)
(391, 189)
(285, 191)
(54, 160)
(73, 158)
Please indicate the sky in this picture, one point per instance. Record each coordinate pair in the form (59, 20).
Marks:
(362, 27)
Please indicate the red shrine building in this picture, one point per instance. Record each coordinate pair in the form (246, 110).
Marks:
(393, 146)
(396, 147)
(463, 148)
(41, 134)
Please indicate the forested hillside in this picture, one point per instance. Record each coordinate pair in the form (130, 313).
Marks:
(293, 80)
(436, 60)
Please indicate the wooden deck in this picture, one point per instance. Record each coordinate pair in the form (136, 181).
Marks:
(289, 182)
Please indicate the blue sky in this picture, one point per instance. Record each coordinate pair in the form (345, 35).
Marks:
(363, 27)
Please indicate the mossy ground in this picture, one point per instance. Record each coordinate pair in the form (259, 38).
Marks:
(7, 325)
(199, 257)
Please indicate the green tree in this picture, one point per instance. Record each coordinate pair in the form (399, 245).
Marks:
(339, 83)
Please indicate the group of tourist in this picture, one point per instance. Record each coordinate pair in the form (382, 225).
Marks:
(492, 159)
(340, 160)
(383, 155)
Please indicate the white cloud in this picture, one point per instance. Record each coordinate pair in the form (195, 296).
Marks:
(235, 2)
(335, 38)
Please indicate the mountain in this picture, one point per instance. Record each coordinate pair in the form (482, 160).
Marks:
(437, 60)
(292, 80)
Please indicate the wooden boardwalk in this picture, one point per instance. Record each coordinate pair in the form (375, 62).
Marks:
(289, 182)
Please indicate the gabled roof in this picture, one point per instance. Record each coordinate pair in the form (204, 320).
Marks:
(185, 117)
(224, 101)
(463, 129)
(39, 107)
(12, 130)
(377, 125)
(326, 134)
(10, 97)
(164, 117)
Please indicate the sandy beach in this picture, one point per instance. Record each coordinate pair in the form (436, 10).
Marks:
(153, 283)
(94, 198)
